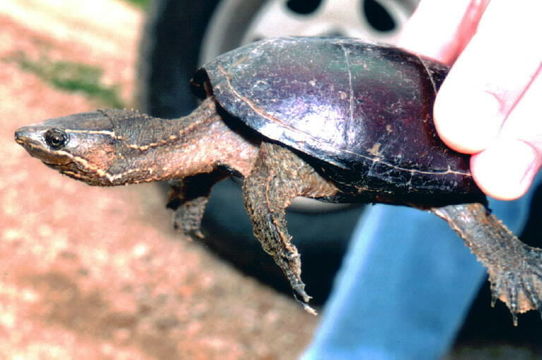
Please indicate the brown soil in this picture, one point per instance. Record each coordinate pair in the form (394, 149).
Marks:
(92, 273)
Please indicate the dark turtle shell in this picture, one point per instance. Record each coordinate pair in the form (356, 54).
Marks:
(362, 107)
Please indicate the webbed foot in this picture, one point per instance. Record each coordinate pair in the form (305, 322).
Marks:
(188, 198)
(519, 286)
(514, 268)
(187, 217)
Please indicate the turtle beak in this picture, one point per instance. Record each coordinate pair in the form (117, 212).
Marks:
(21, 135)
(26, 136)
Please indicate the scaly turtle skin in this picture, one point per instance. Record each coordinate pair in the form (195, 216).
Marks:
(328, 118)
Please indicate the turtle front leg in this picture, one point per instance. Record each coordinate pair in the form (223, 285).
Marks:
(515, 269)
(277, 178)
(188, 198)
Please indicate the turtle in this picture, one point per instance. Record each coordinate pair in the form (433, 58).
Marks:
(331, 118)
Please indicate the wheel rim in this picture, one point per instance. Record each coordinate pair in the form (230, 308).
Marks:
(238, 22)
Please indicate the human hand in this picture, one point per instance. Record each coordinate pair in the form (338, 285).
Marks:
(490, 105)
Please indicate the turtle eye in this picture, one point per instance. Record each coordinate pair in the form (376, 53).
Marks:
(55, 138)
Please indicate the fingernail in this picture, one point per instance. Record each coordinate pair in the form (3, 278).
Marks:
(467, 121)
(506, 169)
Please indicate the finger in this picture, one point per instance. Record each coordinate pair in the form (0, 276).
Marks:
(506, 169)
(441, 29)
(525, 120)
(490, 75)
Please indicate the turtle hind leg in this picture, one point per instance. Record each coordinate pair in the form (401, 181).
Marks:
(277, 178)
(515, 269)
(188, 198)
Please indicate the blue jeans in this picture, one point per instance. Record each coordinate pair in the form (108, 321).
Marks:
(405, 286)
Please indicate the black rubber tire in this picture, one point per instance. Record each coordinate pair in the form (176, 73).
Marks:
(169, 51)
(169, 56)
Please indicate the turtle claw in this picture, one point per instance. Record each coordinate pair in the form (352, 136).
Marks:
(299, 290)
(494, 297)
(302, 297)
(514, 319)
(520, 288)
(306, 306)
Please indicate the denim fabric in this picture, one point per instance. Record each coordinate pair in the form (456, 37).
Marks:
(404, 288)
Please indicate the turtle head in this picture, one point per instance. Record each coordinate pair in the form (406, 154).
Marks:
(118, 147)
(82, 146)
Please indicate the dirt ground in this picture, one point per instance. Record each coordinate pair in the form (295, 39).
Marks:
(92, 273)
